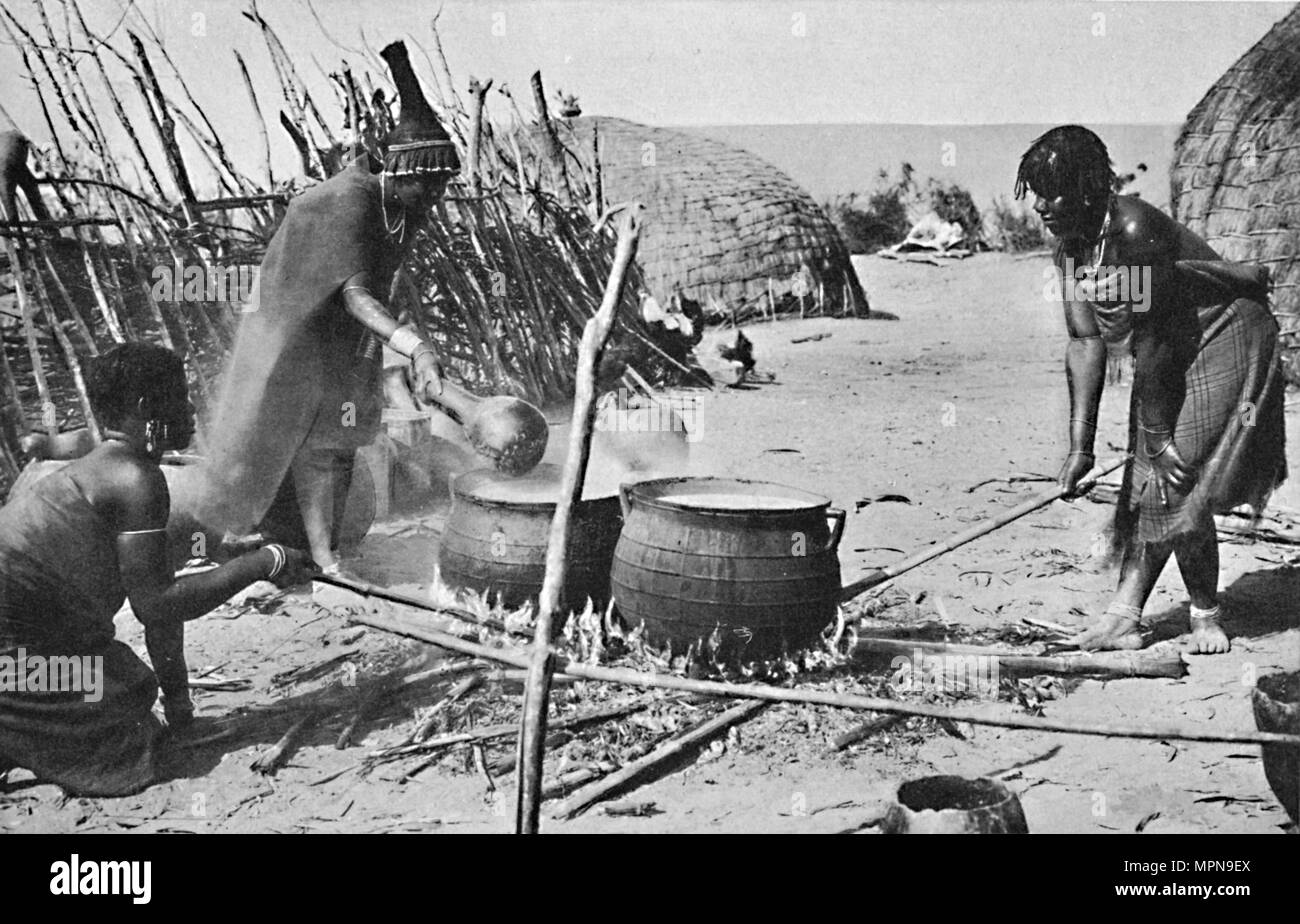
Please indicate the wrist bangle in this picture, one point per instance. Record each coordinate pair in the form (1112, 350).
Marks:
(405, 341)
(277, 553)
(1079, 452)
(1084, 420)
(423, 348)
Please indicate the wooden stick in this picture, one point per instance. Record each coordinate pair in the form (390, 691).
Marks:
(510, 656)
(1088, 663)
(274, 758)
(866, 730)
(532, 735)
(983, 528)
(49, 416)
(83, 329)
(69, 353)
(583, 798)
(491, 732)
(111, 318)
(163, 124)
(477, 92)
(381, 593)
(370, 699)
(431, 719)
(561, 732)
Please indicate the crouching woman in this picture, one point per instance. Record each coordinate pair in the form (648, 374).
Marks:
(73, 548)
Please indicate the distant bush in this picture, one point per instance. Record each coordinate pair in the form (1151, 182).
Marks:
(1014, 229)
(884, 216)
(881, 219)
(953, 203)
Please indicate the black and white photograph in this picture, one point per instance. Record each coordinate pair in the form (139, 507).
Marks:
(669, 417)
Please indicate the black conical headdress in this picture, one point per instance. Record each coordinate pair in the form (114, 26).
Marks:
(419, 143)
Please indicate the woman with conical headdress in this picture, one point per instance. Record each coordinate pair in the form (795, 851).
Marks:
(301, 391)
(1206, 427)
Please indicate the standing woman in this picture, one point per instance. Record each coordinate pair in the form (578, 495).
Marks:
(73, 548)
(301, 391)
(1206, 424)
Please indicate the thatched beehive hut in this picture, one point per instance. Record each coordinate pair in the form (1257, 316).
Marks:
(1236, 170)
(721, 222)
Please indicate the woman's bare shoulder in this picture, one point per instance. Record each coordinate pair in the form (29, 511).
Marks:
(128, 490)
(1143, 230)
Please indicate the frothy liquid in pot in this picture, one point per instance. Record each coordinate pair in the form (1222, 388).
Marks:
(540, 486)
(519, 490)
(724, 501)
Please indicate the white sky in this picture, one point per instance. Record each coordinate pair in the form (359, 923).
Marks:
(741, 62)
(731, 61)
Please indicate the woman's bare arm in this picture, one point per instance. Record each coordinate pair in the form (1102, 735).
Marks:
(156, 594)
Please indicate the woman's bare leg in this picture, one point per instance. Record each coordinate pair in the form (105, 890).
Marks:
(1198, 560)
(1118, 626)
(313, 480)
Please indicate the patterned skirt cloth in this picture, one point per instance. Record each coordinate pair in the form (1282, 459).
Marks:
(1230, 429)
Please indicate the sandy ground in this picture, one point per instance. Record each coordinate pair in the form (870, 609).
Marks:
(965, 385)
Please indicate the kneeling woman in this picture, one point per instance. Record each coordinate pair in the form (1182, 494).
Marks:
(1206, 425)
(73, 548)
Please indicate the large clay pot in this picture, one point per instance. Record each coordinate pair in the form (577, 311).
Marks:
(955, 805)
(747, 569)
(496, 536)
(1276, 699)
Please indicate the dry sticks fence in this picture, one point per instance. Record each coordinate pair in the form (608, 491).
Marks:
(503, 279)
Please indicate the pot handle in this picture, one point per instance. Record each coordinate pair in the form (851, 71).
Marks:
(835, 519)
(625, 499)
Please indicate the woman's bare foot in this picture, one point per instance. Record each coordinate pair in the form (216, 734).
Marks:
(1208, 636)
(1114, 631)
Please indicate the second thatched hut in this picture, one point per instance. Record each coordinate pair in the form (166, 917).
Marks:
(723, 225)
(1236, 171)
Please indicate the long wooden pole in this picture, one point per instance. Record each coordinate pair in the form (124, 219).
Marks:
(983, 528)
(1155, 731)
(532, 735)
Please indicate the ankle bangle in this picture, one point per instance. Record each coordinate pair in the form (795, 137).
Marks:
(1125, 611)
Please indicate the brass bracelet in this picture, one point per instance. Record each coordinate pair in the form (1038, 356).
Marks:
(280, 558)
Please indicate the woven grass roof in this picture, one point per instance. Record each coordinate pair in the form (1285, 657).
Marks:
(1236, 173)
(720, 220)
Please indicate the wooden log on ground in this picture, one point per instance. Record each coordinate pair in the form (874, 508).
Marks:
(1108, 664)
(583, 798)
(1151, 731)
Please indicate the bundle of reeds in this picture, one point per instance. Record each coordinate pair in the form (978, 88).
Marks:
(503, 278)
